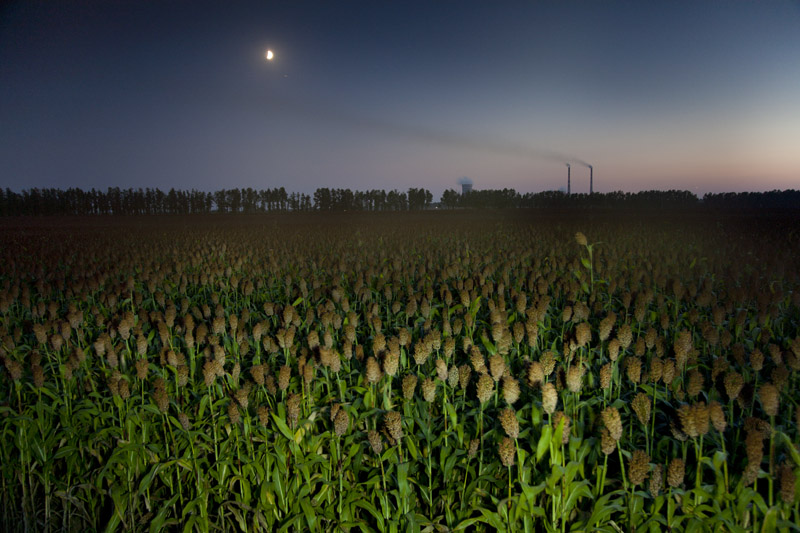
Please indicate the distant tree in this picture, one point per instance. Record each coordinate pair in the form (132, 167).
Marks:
(450, 198)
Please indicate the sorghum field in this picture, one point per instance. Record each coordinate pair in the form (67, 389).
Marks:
(520, 371)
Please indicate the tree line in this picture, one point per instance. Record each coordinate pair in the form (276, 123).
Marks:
(74, 201)
(509, 198)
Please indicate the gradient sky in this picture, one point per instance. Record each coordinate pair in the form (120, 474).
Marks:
(701, 95)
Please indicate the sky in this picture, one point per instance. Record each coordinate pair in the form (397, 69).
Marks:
(699, 95)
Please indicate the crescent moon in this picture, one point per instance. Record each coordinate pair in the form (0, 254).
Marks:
(269, 55)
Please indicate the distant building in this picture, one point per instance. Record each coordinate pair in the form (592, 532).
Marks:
(466, 188)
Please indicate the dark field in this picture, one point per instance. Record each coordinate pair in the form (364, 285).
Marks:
(491, 370)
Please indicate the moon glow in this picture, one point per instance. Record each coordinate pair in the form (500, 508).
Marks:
(269, 55)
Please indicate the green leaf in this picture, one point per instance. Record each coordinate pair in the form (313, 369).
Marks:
(283, 427)
(147, 480)
(158, 521)
(790, 446)
(544, 442)
(770, 520)
(311, 517)
(474, 306)
(491, 348)
(402, 480)
(412, 448)
(372, 510)
(466, 523)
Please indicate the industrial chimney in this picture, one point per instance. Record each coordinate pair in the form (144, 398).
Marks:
(568, 183)
(591, 179)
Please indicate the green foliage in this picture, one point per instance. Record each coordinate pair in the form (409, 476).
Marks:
(145, 382)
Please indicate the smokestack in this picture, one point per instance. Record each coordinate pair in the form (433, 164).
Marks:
(591, 179)
(568, 178)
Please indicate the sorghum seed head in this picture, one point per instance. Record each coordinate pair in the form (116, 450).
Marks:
(464, 373)
(497, 366)
(14, 369)
(612, 422)
(677, 434)
(510, 389)
(257, 372)
(485, 388)
(733, 384)
(452, 376)
(607, 443)
(293, 408)
(788, 482)
(441, 369)
(656, 480)
(575, 378)
(756, 360)
(634, 370)
(394, 425)
(656, 369)
(390, 362)
(687, 420)
(284, 375)
(641, 405)
(701, 417)
(535, 373)
(613, 349)
(754, 447)
(768, 394)
(548, 360)
(668, 374)
(269, 382)
(580, 238)
(717, 415)
(428, 389)
(421, 352)
(675, 472)
(606, 325)
(375, 443)
(141, 368)
(477, 360)
(341, 423)
(583, 334)
(161, 398)
(606, 372)
(233, 413)
(757, 426)
(473, 448)
(625, 336)
(125, 392)
(373, 370)
(695, 384)
(38, 375)
(506, 451)
(409, 385)
(263, 415)
(549, 398)
(508, 419)
(638, 467)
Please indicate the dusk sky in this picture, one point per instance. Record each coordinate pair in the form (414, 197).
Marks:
(698, 95)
